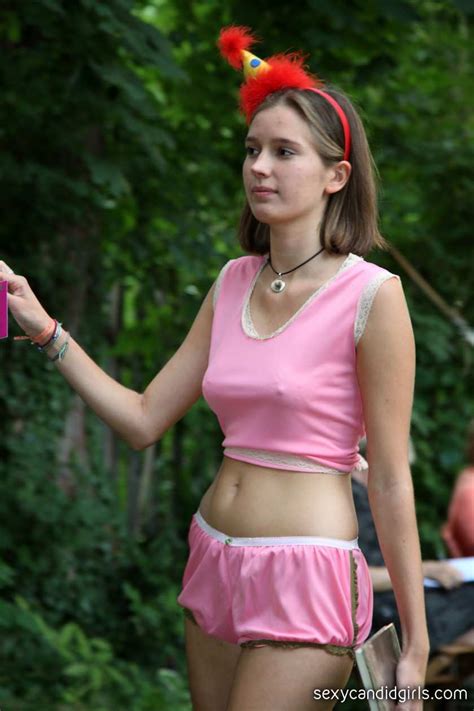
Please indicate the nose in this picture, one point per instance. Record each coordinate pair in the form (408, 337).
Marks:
(261, 164)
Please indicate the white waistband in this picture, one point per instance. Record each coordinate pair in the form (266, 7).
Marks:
(276, 541)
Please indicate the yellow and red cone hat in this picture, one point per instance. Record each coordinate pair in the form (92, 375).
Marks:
(263, 77)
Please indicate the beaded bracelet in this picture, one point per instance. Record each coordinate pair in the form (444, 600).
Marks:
(62, 351)
(56, 333)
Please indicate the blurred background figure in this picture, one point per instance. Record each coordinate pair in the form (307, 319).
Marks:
(458, 531)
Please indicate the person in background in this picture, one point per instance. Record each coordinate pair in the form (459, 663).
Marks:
(458, 531)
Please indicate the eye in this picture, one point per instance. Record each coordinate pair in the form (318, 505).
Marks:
(281, 151)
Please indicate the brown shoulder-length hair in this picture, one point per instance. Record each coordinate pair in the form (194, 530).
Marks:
(350, 220)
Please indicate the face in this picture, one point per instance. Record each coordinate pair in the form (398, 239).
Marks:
(285, 180)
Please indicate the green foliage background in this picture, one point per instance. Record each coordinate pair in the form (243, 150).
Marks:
(120, 192)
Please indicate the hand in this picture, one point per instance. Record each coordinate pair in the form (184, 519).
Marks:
(410, 679)
(444, 572)
(23, 304)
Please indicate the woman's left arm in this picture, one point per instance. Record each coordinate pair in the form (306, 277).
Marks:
(386, 364)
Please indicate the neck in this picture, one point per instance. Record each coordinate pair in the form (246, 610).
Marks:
(290, 246)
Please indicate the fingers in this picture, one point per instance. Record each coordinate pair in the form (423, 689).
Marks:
(448, 581)
(17, 285)
(447, 575)
(452, 577)
(4, 268)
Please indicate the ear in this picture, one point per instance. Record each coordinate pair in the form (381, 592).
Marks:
(337, 177)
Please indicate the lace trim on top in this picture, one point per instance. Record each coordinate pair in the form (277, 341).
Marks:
(304, 464)
(218, 283)
(247, 323)
(365, 303)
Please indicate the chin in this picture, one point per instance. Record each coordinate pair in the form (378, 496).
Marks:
(268, 216)
(273, 221)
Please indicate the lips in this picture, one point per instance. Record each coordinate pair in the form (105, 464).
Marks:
(261, 190)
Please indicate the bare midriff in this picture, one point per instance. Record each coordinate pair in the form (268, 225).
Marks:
(249, 500)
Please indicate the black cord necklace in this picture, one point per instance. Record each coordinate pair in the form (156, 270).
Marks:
(278, 285)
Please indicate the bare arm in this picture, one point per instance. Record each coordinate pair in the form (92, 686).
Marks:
(446, 574)
(139, 418)
(380, 578)
(143, 418)
(386, 373)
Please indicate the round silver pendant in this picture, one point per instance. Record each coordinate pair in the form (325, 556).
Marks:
(277, 285)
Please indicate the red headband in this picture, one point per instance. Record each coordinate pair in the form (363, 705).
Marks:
(282, 71)
(342, 118)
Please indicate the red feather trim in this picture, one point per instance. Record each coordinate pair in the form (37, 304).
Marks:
(287, 72)
(232, 40)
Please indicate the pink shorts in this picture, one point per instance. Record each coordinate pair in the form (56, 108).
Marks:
(286, 591)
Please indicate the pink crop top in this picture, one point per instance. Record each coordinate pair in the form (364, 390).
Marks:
(290, 399)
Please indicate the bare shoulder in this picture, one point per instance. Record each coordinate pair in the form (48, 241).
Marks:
(389, 315)
(386, 362)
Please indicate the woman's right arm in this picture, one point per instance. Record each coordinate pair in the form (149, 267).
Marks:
(139, 418)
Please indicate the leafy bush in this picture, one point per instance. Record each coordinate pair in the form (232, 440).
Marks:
(83, 673)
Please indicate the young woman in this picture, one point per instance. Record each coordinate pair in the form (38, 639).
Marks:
(300, 347)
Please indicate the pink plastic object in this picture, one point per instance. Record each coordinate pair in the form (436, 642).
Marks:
(3, 309)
